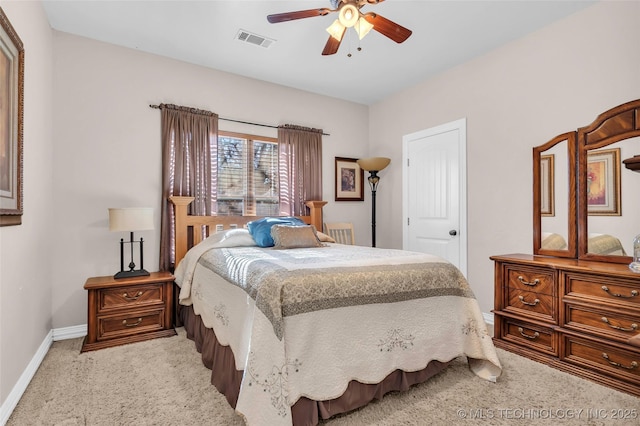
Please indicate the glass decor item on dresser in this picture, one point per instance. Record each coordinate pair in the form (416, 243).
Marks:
(635, 264)
(554, 204)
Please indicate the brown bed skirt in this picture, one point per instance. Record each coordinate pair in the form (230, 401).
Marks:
(219, 359)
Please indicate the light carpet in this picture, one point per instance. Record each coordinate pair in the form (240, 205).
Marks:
(163, 382)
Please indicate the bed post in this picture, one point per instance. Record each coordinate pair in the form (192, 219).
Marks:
(180, 210)
(315, 213)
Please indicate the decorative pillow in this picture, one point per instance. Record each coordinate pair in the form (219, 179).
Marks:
(324, 237)
(261, 229)
(233, 238)
(287, 236)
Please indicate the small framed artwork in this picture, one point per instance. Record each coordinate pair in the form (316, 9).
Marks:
(349, 177)
(603, 182)
(547, 196)
(11, 113)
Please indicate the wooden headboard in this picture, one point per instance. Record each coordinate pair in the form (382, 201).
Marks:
(186, 225)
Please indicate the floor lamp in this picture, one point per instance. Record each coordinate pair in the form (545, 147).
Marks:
(373, 166)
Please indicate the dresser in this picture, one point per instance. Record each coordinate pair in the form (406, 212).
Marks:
(128, 310)
(571, 314)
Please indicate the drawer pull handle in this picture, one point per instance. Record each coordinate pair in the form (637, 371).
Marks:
(634, 293)
(535, 334)
(135, 297)
(617, 327)
(633, 365)
(530, 284)
(124, 322)
(534, 303)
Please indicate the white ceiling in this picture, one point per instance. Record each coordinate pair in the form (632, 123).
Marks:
(445, 33)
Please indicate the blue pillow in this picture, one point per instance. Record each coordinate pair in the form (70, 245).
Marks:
(260, 229)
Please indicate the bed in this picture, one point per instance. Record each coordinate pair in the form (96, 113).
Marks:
(306, 330)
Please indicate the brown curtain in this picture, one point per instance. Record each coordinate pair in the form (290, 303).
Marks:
(300, 167)
(189, 158)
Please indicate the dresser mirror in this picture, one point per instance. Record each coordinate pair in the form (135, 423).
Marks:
(608, 192)
(599, 218)
(554, 195)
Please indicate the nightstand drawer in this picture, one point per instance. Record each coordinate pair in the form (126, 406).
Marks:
(142, 295)
(121, 311)
(130, 323)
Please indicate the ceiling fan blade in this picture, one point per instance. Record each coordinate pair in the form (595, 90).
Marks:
(300, 14)
(332, 45)
(395, 32)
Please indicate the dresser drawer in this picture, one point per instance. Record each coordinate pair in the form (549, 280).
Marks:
(539, 280)
(615, 292)
(532, 336)
(141, 295)
(606, 359)
(126, 324)
(531, 304)
(608, 324)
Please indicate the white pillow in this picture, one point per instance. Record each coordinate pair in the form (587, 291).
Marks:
(231, 238)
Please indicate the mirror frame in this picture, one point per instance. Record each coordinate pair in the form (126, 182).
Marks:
(570, 138)
(614, 125)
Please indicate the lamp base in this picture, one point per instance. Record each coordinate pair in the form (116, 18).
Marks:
(131, 274)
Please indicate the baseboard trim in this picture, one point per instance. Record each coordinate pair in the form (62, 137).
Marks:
(488, 317)
(20, 387)
(25, 378)
(67, 333)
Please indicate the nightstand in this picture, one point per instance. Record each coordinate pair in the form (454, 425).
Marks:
(128, 310)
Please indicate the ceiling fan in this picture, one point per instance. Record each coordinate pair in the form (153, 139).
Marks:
(349, 15)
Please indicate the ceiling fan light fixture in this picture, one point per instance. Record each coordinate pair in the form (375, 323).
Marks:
(348, 15)
(336, 30)
(363, 27)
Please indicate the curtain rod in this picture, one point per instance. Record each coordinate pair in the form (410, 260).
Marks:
(240, 121)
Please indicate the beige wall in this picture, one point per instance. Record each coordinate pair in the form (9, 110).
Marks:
(25, 251)
(108, 147)
(514, 98)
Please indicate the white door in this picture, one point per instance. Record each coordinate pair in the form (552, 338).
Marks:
(434, 192)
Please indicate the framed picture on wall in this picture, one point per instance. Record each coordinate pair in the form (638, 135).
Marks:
(11, 113)
(603, 182)
(547, 196)
(349, 177)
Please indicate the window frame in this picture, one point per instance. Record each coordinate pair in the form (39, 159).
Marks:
(249, 199)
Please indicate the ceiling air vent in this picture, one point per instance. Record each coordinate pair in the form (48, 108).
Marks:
(251, 38)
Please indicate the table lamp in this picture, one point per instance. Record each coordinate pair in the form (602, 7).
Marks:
(130, 219)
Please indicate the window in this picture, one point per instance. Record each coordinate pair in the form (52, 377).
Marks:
(247, 175)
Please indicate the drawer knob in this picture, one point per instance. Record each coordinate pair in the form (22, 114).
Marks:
(530, 284)
(134, 297)
(534, 303)
(634, 293)
(124, 322)
(633, 365)
(533, 337)
(617, 327)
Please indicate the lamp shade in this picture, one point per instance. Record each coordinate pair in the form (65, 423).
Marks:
(130, 219)
(348, 15)
(373, 163)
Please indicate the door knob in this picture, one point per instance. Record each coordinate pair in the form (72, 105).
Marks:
(453, 233)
